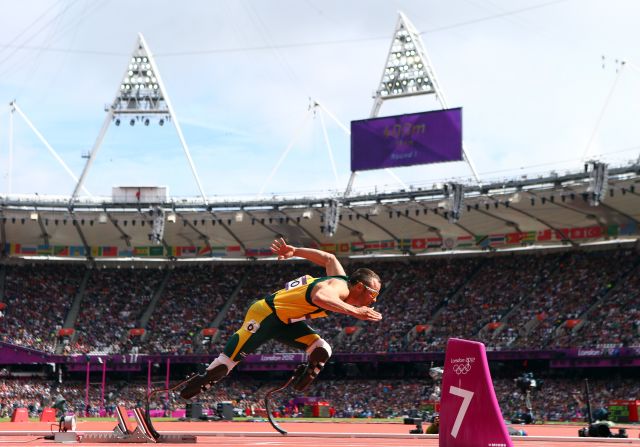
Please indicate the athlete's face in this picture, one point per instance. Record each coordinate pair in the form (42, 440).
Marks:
(368, 293)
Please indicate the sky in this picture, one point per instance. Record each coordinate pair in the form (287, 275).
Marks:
(541, 84)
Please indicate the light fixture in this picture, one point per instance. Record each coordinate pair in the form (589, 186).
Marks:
(171, 217)
(239, 216)
(146, 121)
(161, 122)
(117, 121)
(132, 122)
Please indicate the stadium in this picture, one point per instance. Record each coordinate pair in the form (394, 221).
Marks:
(105, 298)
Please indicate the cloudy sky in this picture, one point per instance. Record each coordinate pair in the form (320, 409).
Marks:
(540, 83)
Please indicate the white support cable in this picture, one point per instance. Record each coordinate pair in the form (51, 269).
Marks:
(585, 155)
(284, 154)
(632, 65)
(330, 150)
(10, 180)
(46, 143)
(333, 117)
(396, 178)
(92, 155)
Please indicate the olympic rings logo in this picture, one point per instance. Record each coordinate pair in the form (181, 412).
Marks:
(462, 366)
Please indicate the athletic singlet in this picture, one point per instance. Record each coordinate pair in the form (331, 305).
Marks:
(293, 303)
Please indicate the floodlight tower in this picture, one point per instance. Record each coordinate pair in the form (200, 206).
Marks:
(408, 72)
(140, 98)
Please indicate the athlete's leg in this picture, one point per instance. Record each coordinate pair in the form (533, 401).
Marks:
(259, 325)
(318, 352)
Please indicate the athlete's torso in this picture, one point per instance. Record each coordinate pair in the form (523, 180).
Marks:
(293, 303)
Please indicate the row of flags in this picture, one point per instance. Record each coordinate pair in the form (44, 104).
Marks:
(415, 245)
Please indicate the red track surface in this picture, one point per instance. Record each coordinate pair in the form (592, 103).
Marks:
(256, 428)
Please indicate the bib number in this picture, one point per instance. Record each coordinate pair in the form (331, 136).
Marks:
(298, 282)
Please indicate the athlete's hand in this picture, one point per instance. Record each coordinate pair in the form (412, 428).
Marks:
(279, 247)
(367, 314)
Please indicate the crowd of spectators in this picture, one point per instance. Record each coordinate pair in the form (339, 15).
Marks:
(563, 299)
(113, 302)
(192, 299)
(557, 399)
(37, 298)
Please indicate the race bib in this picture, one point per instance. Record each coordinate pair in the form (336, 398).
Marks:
(302, 281)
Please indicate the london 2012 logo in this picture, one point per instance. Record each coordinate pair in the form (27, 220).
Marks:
(462, 365)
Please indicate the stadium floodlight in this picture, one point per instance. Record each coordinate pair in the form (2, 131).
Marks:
(407, 71)
(33, 215)
(140, 95)
(598, 182)
(456, 198)
(332, 217)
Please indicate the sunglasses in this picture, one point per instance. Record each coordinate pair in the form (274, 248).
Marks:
(374, 293)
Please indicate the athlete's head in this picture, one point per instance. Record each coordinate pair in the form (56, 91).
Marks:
(364, 287)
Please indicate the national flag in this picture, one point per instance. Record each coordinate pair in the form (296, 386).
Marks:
(329, 248)
(544, 235)
(156, 250)
(594, 232)
(529, 236)
(28, 250)
(110, 251)
(404, 244)
(140, 251)
(562, 234)
(449, 242)
(418, 244)
(482, 241)
(357, 246)
(76, 250)
(7, 248)
(96, 252)
(514, 238)
(45, 250)
(372, 245)
(612, 230)
(496, 239)
(15, 249)
(465, 241)
(577, 233)
(344, 247)
(188, 251)
(434, 242)
(204, 251)
(233, 248)
(125, 252)
(389, 244)
(629, 229)
(265, 252)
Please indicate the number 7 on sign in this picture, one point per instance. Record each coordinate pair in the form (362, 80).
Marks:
(466, 400)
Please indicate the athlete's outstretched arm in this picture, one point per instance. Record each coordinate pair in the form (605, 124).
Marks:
(319, 257)
(326, 297)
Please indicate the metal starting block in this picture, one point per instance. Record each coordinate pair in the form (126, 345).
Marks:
(125, 432)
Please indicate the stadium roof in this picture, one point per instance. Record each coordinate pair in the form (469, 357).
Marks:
(535, 212)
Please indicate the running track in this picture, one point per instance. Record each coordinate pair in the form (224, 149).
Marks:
(312, 434)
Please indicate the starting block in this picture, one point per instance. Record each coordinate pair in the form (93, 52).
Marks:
(469, 414)
(126, 432)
